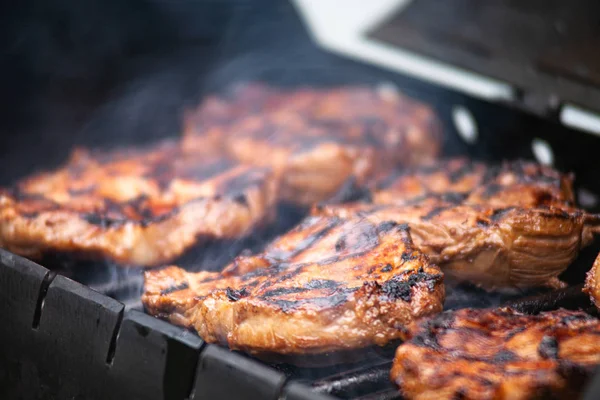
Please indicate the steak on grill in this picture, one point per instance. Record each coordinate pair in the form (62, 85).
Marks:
(327, 285)
(142, 207)
(316, 138)
(498, 354)
(515, 183)
(492, 247)
(510, 225)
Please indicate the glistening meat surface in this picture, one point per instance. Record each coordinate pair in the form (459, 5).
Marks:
(318, 138)
(492, 247)
(141, 207)
(497, 226)
(328, 285)
(498, 354)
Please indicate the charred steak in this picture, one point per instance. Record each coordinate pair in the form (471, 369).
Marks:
(492, 247)
(142, 207)
(317, 139)
(329, 284)
(498, 354)
(509, 225)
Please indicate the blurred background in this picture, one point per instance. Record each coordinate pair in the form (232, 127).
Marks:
(113, 72)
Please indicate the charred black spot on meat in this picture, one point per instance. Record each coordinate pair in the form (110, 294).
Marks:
(340, 244)
(409, 256)
(426, 339)
(387, 226)
(504, 356)
(102, 221)
(283, 291)
(400, 287)
(241, 199)
(235, 295)
(322, 284)
(387, 268)
(573, 318)
(514, 332)
(482, 223)
(334, 300)
(175, 288)
(548, 348)
(498, 214)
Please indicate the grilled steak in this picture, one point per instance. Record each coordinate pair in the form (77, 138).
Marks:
(511, 225)
(516, 183)
(493, 247)
(142, 207)
(327, 285)
(498, 354)
(317, 139)
(592, 283)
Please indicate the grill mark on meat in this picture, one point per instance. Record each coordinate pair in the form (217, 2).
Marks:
(389, 225)
(408, 256)
(175, 288)
(504, 356)
(332, 301)
(98, 196)
(322, 284)
(235, 295)
(309, 241)
(397, 288)
(311, 294)
(282, 291)
(476, 352)
(434, 212)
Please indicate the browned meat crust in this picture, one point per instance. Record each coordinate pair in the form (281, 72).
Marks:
(512, 225)
(328, 285)
(592, 283)
(142, 207)
(492, 247)
(498, 354)
(515, 183)
(317, 139)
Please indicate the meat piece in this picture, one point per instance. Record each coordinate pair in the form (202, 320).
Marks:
(317, 139)
(141, 207)
(498, 354)
(592, 283)
(496, 226)
(492, 247)
(327, 285)
(515, 183)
